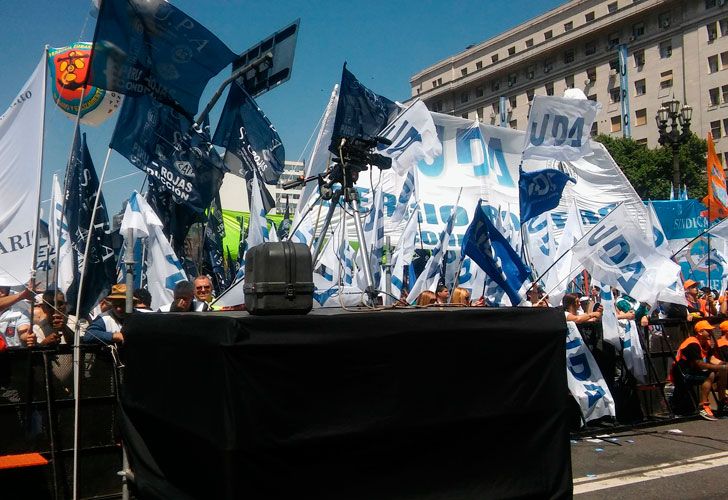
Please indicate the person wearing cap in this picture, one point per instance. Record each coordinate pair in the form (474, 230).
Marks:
(696, 308)
(693, 366)
(721, 345)
(699, 304)
(107, 327)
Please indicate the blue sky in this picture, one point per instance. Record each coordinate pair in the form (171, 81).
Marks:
(384, 43)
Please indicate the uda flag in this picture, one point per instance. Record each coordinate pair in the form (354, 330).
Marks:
(615, 252)
(244, 131)
(151, 47)
(99, 272)
(488, 248)
(360, 113)
(540, 191)
(559, 127)
(585, 380)
(161, 142)
(413, 137)
(717, 199)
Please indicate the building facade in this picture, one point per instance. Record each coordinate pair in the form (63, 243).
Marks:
(676, 49)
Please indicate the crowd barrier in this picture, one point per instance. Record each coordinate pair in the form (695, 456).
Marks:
(37, 415)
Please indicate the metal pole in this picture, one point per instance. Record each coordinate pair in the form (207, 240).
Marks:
(129, 261)
(366, 263)
(77, 331)
(388, 271)
(239, 72)
(676, 164)
(65, 187)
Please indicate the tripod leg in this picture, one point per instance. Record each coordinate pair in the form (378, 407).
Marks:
(366, 263)
(325, 229)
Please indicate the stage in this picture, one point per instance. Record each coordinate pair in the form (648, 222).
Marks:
(419, 404)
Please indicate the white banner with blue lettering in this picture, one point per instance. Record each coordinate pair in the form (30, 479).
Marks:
(559, 127)
(21, 150)
(584, 378)
(483, 160)
(617, 252)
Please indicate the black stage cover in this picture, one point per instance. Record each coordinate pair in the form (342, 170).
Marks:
(417, 404)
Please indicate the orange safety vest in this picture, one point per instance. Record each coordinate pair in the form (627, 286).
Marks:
(679, 356)
(687, 342)
(722, 342)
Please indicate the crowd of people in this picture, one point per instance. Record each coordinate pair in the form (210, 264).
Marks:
(28, 319)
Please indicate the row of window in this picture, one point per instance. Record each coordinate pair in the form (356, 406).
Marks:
(590, 47)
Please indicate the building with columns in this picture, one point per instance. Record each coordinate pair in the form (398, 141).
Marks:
(676, 50)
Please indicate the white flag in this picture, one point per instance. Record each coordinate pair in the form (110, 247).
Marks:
(164, 269)
(413, 137)
(21, 150)
(610, 323)
(273, 233)
(336, 263)
(567, 268)
(258, 225)
(632, 353)
(428, 278)
(540, 243)
(319, 159)
(615, 251)
(61, 241)
(585, 380)
(403, 254)
(373, 226)
(559, 127)
(674, 293)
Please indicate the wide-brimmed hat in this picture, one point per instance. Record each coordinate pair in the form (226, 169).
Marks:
(118, 292)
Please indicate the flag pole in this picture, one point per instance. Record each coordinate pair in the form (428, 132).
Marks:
(77, 330)
(709, 229)
(40, 179)
(572, 246)
(65, 185)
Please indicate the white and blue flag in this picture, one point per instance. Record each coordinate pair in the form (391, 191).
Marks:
(414, 138)
(164, 269)
(431, 273)
(485, 245)
(403, 254)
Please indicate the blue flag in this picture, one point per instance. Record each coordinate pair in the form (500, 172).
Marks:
(161, 142)
(100, 269)
(244, 131)
(540, 191)
(488, 248)
(360, 113)
(151, 47)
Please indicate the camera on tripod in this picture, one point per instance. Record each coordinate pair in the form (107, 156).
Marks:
(356, 153)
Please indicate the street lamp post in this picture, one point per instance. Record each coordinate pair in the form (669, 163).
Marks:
(672, 111)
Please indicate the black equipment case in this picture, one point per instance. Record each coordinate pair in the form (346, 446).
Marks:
(278, 279)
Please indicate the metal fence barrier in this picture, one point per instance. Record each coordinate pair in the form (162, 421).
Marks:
(37, 415)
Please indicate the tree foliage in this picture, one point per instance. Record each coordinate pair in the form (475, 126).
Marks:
(650, 170)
